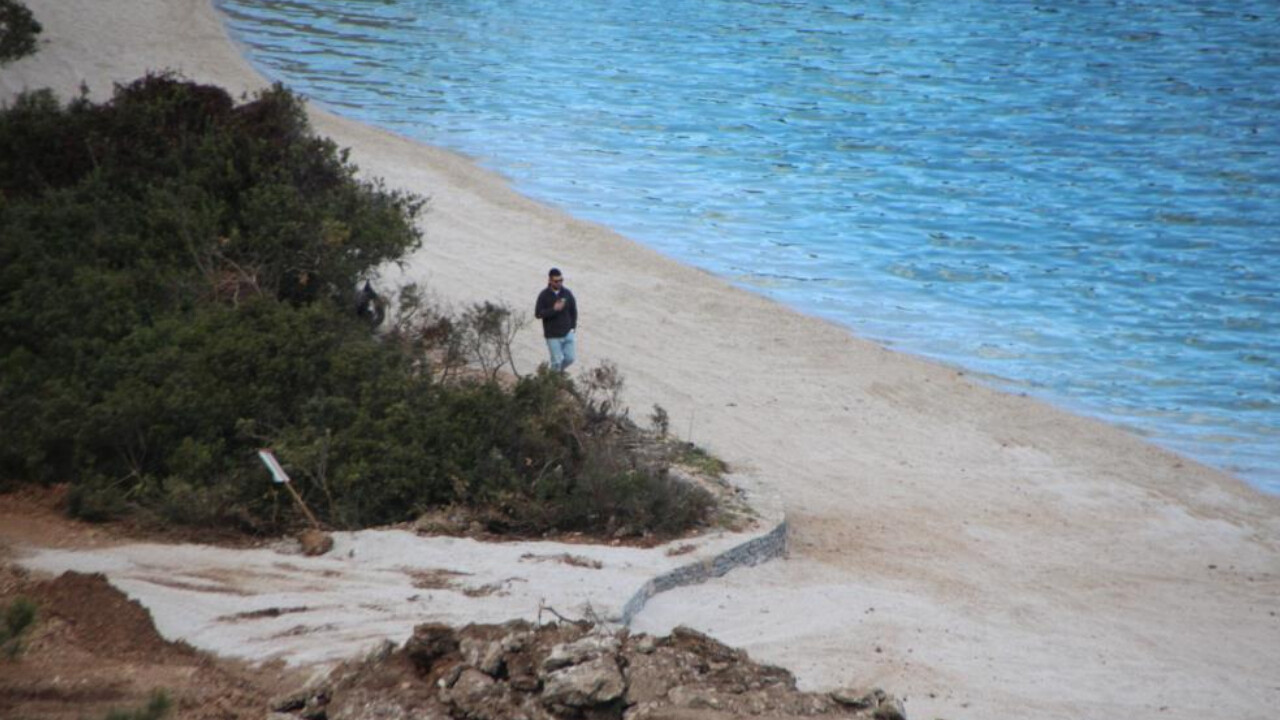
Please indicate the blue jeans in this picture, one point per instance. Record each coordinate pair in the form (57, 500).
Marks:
(563, 350)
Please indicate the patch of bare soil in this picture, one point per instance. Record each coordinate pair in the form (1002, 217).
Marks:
(91, 650)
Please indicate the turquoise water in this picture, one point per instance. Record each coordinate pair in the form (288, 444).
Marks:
(1078, 199)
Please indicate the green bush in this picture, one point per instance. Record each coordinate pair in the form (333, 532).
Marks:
(18, 31)
(18, 619)
(176, 291)
(157, 707)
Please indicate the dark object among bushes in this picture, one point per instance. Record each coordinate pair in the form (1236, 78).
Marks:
(176, 274)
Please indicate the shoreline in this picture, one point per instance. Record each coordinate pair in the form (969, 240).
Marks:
(1064, 554)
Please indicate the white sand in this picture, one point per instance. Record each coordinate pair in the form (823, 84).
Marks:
(1021, 562)
(373, 586)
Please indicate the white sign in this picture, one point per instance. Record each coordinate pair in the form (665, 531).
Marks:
(277, 472)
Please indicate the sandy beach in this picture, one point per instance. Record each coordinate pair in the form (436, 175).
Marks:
(980, 553)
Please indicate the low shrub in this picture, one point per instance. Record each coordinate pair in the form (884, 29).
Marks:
(18, 619)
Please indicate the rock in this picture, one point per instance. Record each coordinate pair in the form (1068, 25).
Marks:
(694, 697)
(308, 702)
(643, 711)
(755, 702)
(688, 634)
(485, 656)
(430, 642)
(315, 542)
(890, 709)
(380, 652)
(649, 677)
(491, 660)
(317, 708)
(579, 651)
(594, 682)
(883, 705)
(450, 675)
(524, 683)
(522, 671)
(364, 705)
(477, 696)
(290, 702)
(645, 644)
(858, 698)
(471, 688)
(516, 641)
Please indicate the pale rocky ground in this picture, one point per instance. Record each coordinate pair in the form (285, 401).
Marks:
(1009, 559)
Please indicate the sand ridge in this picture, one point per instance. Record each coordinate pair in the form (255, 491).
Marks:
(1008, 559)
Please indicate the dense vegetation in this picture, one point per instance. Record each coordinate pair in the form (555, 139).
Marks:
(176, 281)
(18, 31)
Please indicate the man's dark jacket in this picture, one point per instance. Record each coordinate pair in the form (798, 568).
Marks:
(556, 323)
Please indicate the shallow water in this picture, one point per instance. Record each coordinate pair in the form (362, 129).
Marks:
(1079, 200)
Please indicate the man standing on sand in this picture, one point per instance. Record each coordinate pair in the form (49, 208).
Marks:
(559, 314)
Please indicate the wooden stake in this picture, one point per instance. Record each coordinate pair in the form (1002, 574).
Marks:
(280, 476)
(305, 510)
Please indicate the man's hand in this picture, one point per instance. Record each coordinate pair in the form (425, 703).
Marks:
(559, 305)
